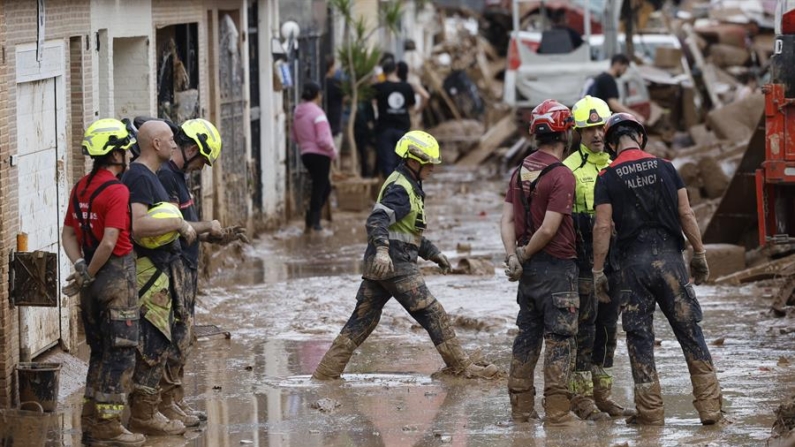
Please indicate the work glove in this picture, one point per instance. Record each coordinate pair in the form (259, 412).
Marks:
(71, 288)
(441, 260)
(513, 268)
(699, 269)
(520, 254)
(601, 286)
(187, 232)
(79, 279)
(382, 263)
(228, 235)
(81, 275)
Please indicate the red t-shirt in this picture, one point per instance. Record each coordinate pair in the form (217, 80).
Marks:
(111, 208)
(554, 192)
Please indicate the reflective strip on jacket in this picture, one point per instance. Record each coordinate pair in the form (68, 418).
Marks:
(398, 220)
(586, 166)
(408, 229)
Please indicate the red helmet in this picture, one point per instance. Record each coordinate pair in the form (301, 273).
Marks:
(619, 123)
(549, 117)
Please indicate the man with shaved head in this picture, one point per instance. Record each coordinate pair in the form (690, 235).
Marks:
(158, 277)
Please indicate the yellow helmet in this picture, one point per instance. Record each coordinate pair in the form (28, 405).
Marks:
(590, 112)
(162, 210)
(106, 135)
(420, 146)
(206, 137)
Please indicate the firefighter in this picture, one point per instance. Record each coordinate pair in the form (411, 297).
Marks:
(591, 382)
(199, 144)
(158, 275)
(646, 200)
(395, 240)
(538, 236)
(96, 238)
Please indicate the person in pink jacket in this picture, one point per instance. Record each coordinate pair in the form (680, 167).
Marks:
(312, 133)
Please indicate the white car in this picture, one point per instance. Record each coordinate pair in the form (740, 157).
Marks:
(531, 77)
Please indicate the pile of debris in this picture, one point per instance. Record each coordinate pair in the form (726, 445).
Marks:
(463, 74)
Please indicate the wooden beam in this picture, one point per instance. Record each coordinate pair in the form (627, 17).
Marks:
(490, 141)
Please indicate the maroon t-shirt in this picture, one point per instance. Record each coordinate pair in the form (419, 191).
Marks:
(554, 192)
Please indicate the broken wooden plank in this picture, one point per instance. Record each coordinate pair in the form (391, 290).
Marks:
(778, 267)
(490, 141)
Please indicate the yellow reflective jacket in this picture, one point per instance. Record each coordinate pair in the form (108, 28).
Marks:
(586, 166)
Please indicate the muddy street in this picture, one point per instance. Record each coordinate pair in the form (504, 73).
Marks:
(287, 302)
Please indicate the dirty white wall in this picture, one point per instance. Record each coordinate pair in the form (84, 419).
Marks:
(112, 20)
(273, 140)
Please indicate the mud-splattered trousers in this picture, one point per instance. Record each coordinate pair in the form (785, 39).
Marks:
(654, 273)
(598, 322)
(412, 293)
(183, 290)
(159, 308)
(548, 309)
(109, 308)
(606, 327)
(397, 221)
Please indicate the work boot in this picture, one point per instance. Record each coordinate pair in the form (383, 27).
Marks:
(145, 417)
(179, 399)
(649, 405)
(168, 406)
(557, 412)
(336, 359)
(459, 362)
(523, 406)
(602, 393)
(706, 389)
(108, 431)
(522, 391)
(582, 400)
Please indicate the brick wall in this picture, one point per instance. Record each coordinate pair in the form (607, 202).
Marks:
(64, 19)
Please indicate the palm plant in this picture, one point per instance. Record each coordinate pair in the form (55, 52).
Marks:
(358, 58)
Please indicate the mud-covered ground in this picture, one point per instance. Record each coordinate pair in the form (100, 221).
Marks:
(288, 301)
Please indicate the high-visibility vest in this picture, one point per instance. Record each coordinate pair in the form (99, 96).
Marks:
(408, 229)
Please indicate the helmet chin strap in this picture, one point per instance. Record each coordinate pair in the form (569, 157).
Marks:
(413, 172)
(187, 161)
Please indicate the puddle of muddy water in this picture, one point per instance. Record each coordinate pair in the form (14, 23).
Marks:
(285, 307)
